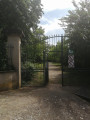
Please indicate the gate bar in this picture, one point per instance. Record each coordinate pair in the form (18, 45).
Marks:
(62, 57)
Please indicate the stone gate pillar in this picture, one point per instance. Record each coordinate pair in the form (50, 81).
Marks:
(14, 41)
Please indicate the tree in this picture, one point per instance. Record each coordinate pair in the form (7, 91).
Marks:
(33, 49)
(23, 15)
(56, 51)
(77, 25)
(20, 14)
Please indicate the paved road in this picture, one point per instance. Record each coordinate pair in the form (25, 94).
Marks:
(49, 103)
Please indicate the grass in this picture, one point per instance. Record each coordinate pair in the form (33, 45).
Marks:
(37, 80)
(35, 65)
(32, 74)
(38, 66)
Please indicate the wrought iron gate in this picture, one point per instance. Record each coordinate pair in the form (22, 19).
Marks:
(75, 65)
(33, 62)
(38, 52)
(54, 53)
(35, 57)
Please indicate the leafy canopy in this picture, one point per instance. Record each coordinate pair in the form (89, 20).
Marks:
(77, 25)
(21, 14)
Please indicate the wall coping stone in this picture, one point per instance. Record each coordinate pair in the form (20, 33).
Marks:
(10, 71)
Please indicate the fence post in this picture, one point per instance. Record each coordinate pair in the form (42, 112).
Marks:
(46, 70)
(62, 56)
(14, 40)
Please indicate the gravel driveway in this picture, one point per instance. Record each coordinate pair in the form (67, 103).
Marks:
(47, 103)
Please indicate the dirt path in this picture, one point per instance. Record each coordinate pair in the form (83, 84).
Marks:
(54, 74)
(50, 103)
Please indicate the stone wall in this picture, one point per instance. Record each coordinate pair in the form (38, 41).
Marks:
(12, 79)
(15, 41)
(8, 80)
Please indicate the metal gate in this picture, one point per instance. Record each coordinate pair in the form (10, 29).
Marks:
(75, 63)
(33, 62)
(54, 55)
(35, 57)
(38, 52)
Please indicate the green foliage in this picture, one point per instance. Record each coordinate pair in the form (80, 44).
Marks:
(33, 49)
(27, 71)
(23, 15)
(30, 74)
(20, 14)
(65, 52)
(3, 56)
(55, 53)
(77, 25)
(32, 54)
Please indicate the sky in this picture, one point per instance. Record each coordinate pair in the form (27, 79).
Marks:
(53, 11)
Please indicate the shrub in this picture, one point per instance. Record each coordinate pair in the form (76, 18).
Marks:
(27, 71)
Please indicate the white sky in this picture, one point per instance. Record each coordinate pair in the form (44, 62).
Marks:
(51, 25)
(51, 5)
